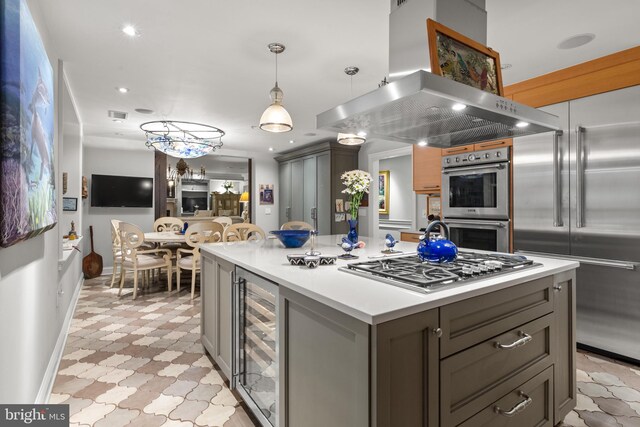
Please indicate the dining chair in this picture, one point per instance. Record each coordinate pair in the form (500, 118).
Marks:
(136, 260)
(296, 225)
(116, 249)
(242, 231)
(168, 223)
(224, 220)
(189, 259)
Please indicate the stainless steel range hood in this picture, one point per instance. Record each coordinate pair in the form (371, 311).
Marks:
(419, 108)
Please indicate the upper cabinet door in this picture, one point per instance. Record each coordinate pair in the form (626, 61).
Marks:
(427, 169)
(297, 190)
(606, 162)
(310, 187)
(541, 189)
(285, 192)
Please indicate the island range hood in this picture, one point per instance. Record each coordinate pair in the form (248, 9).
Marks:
(424, 108)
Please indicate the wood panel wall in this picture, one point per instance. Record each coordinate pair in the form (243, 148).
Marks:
(160, 185)
(611, 72)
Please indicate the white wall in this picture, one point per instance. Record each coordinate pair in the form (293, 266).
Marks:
(265, 171)
(372, 147)
(400, 187)
(106, 161)
(31, 309)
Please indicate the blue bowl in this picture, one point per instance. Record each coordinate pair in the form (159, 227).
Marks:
(292, 238)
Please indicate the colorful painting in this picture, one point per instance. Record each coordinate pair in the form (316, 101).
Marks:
(266, 194)
(463, 60)
(27, 176)
(383, 192)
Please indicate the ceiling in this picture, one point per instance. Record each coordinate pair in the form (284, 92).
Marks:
(207, 61)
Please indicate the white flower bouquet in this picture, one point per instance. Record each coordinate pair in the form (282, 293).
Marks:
(357, 183)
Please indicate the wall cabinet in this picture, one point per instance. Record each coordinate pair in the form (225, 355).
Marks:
(310, 182)
(427, 169)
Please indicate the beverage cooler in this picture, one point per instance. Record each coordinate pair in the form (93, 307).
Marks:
(255, 371)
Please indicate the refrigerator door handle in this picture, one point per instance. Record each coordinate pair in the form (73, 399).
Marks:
(557, 201)
(584, 260)
(579, 177)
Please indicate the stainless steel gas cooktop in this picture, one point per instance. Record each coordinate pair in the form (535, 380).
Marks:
(410, 272)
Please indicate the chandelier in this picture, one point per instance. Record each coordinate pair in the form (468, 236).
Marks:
(184, 171)
(182, 139)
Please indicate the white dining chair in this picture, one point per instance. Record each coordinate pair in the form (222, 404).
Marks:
(243, 231)
(296, 225)
(189, 259)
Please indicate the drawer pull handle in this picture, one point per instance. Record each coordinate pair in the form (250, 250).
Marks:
(516, 409)
(437, 332)
(525, 338)
(557, 288)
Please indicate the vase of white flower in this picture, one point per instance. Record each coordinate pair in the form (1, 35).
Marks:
(357, 184)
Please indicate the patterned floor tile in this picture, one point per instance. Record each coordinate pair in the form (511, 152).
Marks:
(163, 405)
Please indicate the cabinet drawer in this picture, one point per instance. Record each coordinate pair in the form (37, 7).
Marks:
(535, 406)
(493, 144)
(410, 237)
(474, 320)
(456, 150)
(472, 379)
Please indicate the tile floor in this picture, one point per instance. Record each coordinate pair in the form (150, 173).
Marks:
(140, 363)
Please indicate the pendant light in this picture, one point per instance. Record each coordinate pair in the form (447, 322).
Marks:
(351, 138)
(276, 118)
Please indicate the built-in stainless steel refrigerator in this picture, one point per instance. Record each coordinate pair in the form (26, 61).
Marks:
(577, 195)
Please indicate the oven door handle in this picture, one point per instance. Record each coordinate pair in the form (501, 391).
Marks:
(470, 222)
(471, 168)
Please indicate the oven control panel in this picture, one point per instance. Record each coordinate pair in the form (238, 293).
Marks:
(497, 155)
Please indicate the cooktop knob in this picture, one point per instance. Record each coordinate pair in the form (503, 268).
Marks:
(486, 155)
(471, 157)
(498, 154)
(457, 159)
(448, 160)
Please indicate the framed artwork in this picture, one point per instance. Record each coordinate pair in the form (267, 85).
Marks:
(27, 179)
(462, 59)
(69, 203)
(339, 205)
(433, 206)
(266, 194)
(383, 192)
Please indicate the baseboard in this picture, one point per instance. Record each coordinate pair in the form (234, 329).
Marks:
(107, 271)
(52, 368)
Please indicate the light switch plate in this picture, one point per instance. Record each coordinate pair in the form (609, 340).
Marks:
(267, 211)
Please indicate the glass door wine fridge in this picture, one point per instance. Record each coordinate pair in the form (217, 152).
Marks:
(255, 373)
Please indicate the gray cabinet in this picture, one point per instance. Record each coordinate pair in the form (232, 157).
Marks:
(216, 299)
(405, 369)
(310, 182)
(565, 336)
(324, 370)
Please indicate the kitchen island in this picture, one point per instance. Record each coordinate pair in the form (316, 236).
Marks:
(319, 347)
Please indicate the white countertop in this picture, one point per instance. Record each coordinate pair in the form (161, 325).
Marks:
(366, 299)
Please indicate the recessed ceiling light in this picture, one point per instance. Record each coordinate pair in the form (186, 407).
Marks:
(362, 134)
(576, 41)
(117, 120)
(522, 124)
(291, 141)
(458, 107)
(270, 148)
(143, 111)
(422, 143)
(122, 89)
(130, 30)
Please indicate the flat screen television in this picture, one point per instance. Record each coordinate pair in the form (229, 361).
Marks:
(121, 191)
(190, 204)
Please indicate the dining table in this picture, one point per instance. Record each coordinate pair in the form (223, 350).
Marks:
(164, 237)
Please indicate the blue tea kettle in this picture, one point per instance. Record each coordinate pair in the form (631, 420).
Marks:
(437, 249)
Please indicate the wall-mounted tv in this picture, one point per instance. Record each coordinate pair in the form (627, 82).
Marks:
(121, 191)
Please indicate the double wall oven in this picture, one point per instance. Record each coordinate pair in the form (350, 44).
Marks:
(475, 199)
